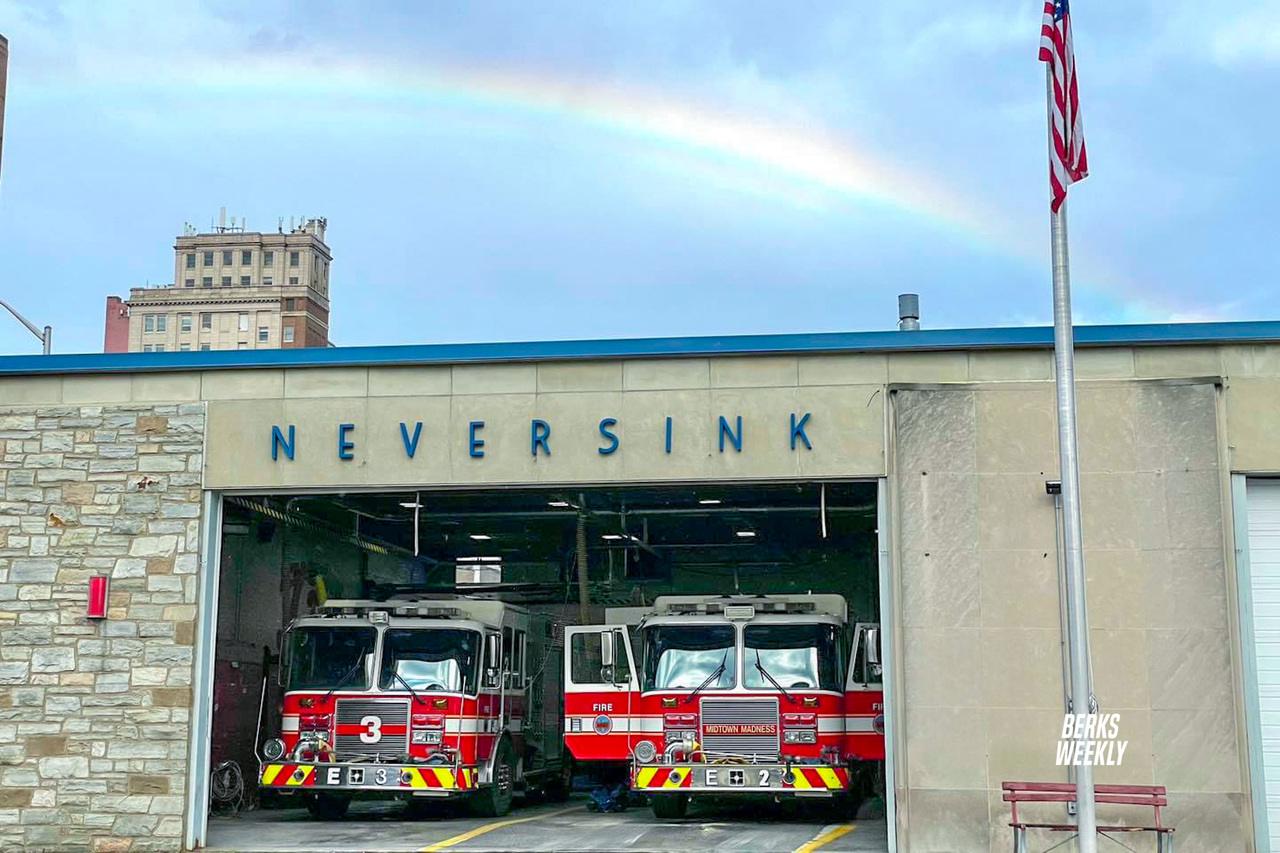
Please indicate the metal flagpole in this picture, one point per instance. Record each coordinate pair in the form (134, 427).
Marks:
(1065, 381)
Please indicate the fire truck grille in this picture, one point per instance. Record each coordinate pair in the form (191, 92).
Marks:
(740, 726)
(371, 726)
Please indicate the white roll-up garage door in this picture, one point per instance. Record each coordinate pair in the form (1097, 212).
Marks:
(1263, 505)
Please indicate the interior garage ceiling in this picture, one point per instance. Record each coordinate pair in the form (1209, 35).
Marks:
(757, 522)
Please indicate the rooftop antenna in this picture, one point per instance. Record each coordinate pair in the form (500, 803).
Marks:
(222, 218)
(280, 225)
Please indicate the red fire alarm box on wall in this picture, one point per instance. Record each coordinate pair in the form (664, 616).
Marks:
(97, 608)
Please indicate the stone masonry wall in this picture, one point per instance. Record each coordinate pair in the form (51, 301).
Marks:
(94, 714)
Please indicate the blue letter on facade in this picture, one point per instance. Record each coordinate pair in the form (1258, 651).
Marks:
(668, 433)
(344, 446)
(606, 432)
(734, 437)
(279, 443)
(797, 431)
(476, 445)
(539, 432)
(411, 444)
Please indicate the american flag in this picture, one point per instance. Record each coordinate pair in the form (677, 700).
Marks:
(1068, 161)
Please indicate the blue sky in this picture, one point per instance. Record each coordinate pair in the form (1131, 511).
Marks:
(512, 171)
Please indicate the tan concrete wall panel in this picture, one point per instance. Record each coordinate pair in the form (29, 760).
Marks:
(971, 462)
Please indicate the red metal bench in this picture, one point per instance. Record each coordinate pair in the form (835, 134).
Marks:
(1153, 796)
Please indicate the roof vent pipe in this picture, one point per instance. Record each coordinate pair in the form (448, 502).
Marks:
(908, 312)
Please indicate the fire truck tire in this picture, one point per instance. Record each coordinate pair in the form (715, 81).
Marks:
(494, 799)
(328, 806)
(669, 806)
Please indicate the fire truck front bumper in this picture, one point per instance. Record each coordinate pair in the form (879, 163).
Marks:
(415, 780)
(801, 780)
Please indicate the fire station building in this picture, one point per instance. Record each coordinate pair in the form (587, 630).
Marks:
(223, 493)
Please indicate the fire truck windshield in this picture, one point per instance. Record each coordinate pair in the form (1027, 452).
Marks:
(327, 658)
(800, 657)
(430, 659)
(682, 657)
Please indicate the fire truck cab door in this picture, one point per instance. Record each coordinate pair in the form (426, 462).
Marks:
(864, 695)
(601, 687)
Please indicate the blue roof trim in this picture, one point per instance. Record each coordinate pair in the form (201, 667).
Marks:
(1020, 337)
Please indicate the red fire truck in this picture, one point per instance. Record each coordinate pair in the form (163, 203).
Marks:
(775, 694)
(419, 698)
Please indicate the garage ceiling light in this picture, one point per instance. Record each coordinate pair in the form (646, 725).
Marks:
(709, 501)
(481, 537)
(411, 505)
(559, 504)
(479, 560)
(747, 534)
(612, 536)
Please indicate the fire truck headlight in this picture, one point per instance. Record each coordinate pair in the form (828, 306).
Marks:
(421, 737)
(646, 752)
(800, 736)
(273, 749)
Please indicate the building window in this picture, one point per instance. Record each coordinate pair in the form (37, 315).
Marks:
(244, 322)
(206, 320)
(184, 347)
(293, 280)
(226, 281)
(207, 281)
(184, 322)
(149, 323)
(226, 257)
(242, 345)
(191, 260)
(288, 334)
(191, 282)
(159, 347)
(268, 258)
(246, 257)
(162, 320)
(288, 305)
(204, 348)
(294, 257)
(146, 347)
(208, 259)
(266, 281)
(244, 281)
(263, 334)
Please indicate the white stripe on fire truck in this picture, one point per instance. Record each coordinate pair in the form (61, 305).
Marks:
(858, 725)
(617, 724)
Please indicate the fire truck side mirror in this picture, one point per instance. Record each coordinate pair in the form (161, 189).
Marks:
(491, 652)
(606, 649)
(873, 646)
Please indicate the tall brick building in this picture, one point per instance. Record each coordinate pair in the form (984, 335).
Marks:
(232, 289)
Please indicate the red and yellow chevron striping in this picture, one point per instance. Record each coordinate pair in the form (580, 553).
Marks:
(664, 777)
(304, 775)
(288, 775)
(808, 778)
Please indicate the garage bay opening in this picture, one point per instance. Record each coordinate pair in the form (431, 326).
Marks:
(452, 654)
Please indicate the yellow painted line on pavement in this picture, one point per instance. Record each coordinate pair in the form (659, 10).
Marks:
(490, 827)
(822, 839)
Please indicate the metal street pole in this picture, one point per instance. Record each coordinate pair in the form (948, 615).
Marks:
(1077, 620)
(45, 336)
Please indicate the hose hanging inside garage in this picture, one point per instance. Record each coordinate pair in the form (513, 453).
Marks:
(584, 595)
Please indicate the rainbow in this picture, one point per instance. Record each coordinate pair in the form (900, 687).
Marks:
(798, 161)
(805, 157)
